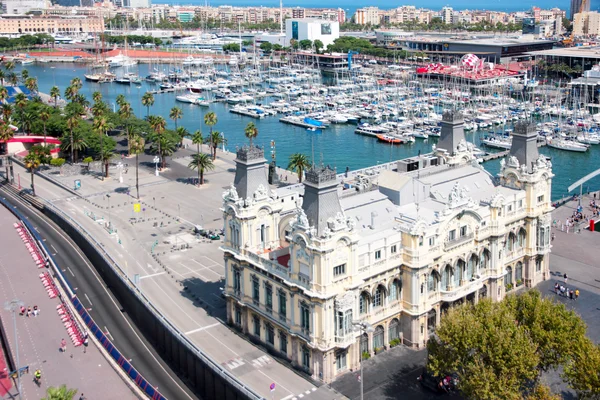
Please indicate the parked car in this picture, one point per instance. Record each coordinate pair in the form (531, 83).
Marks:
(445, 384)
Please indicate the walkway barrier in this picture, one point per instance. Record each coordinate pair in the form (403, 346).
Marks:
(135, 376)
(204, 375)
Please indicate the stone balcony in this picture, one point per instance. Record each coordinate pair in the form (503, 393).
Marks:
(451, 244)
(461, 291)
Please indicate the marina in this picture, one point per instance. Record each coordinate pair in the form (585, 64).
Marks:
(336, 119)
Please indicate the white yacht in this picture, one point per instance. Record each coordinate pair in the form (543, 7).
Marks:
(569, 145)
(121, 60)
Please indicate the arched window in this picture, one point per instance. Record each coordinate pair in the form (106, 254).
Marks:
(446, 277)
(432, 281)
(458, 272)
(519, 273)
(393, 331)
(510, 242)
(364, 344)
(521, 239)
(378, 297)
(378, 337)
(508, 276)
(484, 260)
(471, 267)
(395, 288)
(363, 303)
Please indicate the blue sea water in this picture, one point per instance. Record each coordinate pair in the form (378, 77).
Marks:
(351, 6)
(337, 146)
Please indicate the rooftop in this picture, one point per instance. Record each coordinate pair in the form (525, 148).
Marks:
(578, 52)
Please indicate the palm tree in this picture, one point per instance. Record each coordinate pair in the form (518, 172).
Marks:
(2, 77)
(182, 133)
(251, 131)
(97, 96)
(73, 143)
(27, 119)
(7, 111)
(24, 75)
(60, 393)
(163, 145)
(6, 133)
(32, 84)
(125, 112)
(101, 125)
(99, 109)
(158, 125)
(201, 162)
(77, 83)
(121, 100)
(13, 79)
(32, 162)
(3, 94)
(137, 147)
(198, 140)
(216, 139)
(147, 101)
(106, 155)
(71, 92)
(55, 94)
(175, 114)
(299, 162)
(10, 65)
(44, 117)
(210, 119)
(72, 123)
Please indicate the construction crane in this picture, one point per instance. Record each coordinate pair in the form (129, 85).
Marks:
(350, 54)
(570, 41)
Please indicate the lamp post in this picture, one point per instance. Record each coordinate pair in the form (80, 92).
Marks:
(13, 306)
(363, 327)
(108, 198)
(120, 168)
(223, 136)
(156, 160)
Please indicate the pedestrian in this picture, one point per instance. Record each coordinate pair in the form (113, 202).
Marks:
(36, 311)
(28, 311)
(23, 310)
(82, 397)
(553, 236)
(63, 345)
(566, 277)
(562, 290)
(85, 344)
(556, 286)
(571, 295)
(576, 294)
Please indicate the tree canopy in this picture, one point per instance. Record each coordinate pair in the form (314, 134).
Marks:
(500, 349)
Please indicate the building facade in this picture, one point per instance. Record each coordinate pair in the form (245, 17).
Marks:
(50, 24)
(576, 7)
(312, 29)
(586, 23)
(307, 262)
(22, 6)
(367, 16)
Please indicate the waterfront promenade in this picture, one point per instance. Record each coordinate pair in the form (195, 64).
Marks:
(39, 337)
(184, 285)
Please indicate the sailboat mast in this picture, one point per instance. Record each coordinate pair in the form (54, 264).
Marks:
(281, 17)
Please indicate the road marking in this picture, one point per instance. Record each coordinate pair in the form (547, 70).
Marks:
(201, 329)
(88, 299)
(233, 364)
(107, 333)
(307, 392)
(150, 276)
(301, 395)
(278, 383)
(69, 268)
(288, 397)
(314, 389)
(56, 251)
(261, 361)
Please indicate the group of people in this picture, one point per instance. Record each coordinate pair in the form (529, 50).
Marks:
(565, 291)
(29, 312)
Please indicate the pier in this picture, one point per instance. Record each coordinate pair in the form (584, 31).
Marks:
(247, 113)
(301, 123)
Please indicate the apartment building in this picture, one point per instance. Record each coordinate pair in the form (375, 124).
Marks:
(305, 263)
(28, 24)
(367, 15)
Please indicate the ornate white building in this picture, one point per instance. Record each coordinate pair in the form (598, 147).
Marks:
(304, 262)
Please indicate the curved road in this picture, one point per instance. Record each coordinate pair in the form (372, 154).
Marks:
(102, 305)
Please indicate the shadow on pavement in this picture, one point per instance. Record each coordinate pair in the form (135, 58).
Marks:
(206, 295)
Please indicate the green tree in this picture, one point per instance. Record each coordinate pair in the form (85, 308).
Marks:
(137, 147)
(24, 75)
(210, 119)
(198, 140)
(60, 393)
(582, 372)
(305, 44)
(72, 123)
(32, 163)
(299, 163)
(201, 162)
(216, 140)
(126, 112)
(251, 132)
(106, 154)
(74, 142)
(6, 133)
(158, 125)
(44, 117)
(55, 94)
(121, 100)
(147, 101)
(71, 93)
(7, 111)
(97, 97)
(163, 145)
(181, 133)
(231, 48)
(266, 47)
(3, 94)
(32, 84)
(318, 45)
(175, 114)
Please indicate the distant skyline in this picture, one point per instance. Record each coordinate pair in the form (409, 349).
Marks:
(351, 6)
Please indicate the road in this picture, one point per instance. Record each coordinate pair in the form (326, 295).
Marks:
(102, 305)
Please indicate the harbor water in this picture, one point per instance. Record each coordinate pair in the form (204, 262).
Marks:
(337, 145)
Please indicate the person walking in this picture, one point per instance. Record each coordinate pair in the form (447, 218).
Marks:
(82, 397)
(566, 277)
(556, 288)
(576, 294)
(571, 294)
(37, 376)
(63, 345)
(85, 344)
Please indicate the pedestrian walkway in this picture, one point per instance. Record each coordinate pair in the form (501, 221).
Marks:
(39, 337)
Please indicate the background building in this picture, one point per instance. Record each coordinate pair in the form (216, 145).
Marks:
(312, 29)
(303, 262)
(50, 24)
(367, 15)
(22, 6)
(586, 23)
(576, 8)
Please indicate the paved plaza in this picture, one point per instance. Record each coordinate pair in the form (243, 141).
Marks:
(39, 337)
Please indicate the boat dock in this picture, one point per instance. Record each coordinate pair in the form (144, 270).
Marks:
(300, 123)
(247, 113)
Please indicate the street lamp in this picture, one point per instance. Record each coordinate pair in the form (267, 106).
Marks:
(156, 160)
(108, 198)
(223, 136)
(13, 306)
(363, 327)
(120, 168)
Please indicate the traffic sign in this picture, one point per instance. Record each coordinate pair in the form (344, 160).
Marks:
(137, 207)
(272, 387)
